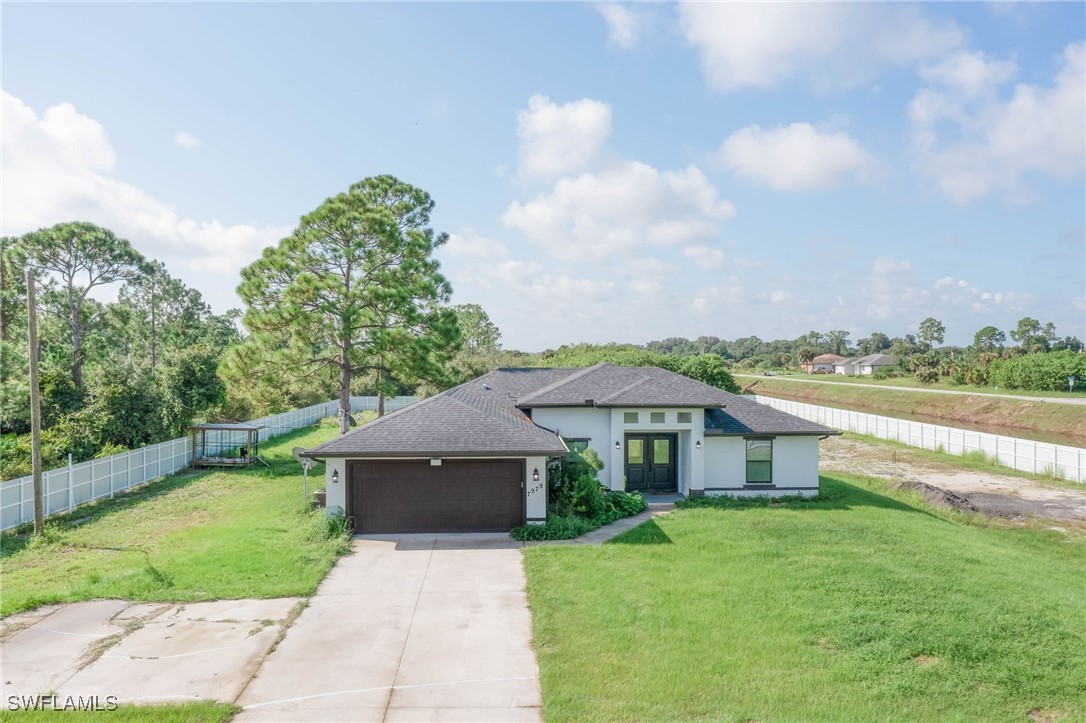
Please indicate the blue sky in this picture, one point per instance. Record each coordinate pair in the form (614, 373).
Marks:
(606, 172)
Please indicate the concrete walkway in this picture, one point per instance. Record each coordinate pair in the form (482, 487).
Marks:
(1052, 400)
(408, 628)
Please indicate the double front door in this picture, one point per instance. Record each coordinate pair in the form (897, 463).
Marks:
(650, 462)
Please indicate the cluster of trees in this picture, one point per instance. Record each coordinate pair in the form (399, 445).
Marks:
(114, 375)
(351, 302)
(1048, 358)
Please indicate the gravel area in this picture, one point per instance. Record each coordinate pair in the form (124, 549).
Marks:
(1002, 495)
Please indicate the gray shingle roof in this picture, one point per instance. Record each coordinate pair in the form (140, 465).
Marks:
(607, 385)
(745, 416)
(485, 416)
(875, 360)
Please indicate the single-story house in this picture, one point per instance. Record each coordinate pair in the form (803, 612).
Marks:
(868, 364)
(474, 458)
(821, 363)
(845, 366)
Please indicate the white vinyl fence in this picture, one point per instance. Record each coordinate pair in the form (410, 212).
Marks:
(1026, 455)
(68, 487)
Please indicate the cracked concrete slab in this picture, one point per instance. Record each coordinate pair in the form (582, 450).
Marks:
(143, 652)
(409, 628)
(40, 657)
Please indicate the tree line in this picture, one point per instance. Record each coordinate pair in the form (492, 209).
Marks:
(351, 302)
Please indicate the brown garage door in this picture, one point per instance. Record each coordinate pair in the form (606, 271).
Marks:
(458, 496)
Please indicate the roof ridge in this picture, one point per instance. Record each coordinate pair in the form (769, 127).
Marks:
(625, 389)
(562, 382)
(390, 415)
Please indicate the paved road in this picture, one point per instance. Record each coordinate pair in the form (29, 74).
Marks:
(408, 628)
(1054, 400)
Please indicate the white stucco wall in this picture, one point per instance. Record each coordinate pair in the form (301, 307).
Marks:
(795, 467)
(536, 490)
(335, 496)
(583, 423)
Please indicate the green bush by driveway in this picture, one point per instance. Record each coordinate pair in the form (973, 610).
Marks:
(863, 605)
(193, 536)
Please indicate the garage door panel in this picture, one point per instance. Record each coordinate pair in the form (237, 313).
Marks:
(457, 496)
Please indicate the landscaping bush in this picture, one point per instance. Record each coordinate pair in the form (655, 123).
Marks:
(557, 527)
(628, 504)
(729, 502)
(891, 372)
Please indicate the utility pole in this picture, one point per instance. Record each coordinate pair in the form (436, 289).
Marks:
(35, 401)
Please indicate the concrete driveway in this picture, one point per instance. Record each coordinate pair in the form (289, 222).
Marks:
(408, 628)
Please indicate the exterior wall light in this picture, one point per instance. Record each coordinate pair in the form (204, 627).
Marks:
(618, 445)
(535, 475)
(335, 476)
(698, 444)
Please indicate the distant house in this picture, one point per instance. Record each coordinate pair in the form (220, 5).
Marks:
(845, 366)
(822, 364)
(868, 364)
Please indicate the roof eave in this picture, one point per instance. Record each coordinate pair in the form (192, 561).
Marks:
(416, 454)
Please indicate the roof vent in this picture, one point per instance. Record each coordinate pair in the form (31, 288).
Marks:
(487, 387)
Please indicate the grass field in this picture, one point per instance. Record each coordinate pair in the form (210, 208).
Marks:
(864, 606)
(1059, 423)
(912, 383)
(202, 712)
(193, 536)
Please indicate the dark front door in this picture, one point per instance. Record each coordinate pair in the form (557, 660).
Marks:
(415, 496)
(650, 462)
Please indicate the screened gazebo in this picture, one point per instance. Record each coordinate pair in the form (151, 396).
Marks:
(225, 444)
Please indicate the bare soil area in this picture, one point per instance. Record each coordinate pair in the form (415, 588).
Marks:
(999, 495)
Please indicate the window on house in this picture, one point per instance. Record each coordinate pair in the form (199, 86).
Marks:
(576, 446)
(630, 417)
(759, 461)
(685, 417)
(635, 451)
(656, 417)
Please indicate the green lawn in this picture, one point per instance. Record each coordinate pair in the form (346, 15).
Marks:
(193, 536)
(864, 606)
(202, 712)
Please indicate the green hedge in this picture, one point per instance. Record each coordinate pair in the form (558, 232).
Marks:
(1039, 372)
(611, 506)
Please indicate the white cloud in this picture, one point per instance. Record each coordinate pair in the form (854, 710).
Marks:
(628, 206)
(997, 142)
(705, 257)
(560, 139)
(184, 139)
(798, 157)
(623, 24)
(59, 167)
(829, 44)
(960, 293)
(970, 72)
(472, 245)
(711, 301)
(779, 296)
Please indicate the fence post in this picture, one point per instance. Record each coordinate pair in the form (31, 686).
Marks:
(71, 487)
(111, 476)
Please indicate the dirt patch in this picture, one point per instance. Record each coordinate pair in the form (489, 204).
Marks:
(925, 661)
(944, 483)
(1045, 715)
(938, 497)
